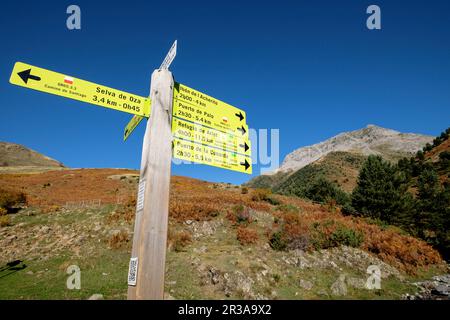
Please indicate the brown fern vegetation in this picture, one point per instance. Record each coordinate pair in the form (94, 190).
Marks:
(60, 187)
(50, 208)
(321, 230)
(246, 236)
(125, 211)
(118, 239)
(4, 219)
(10, 198)
(239, 214)
(179, 240)
(298, 224)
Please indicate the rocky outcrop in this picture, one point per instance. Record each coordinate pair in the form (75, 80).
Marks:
(438, 288)
(388, 143)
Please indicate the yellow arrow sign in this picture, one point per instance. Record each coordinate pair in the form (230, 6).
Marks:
(134, 122)
(191, 151)
(192, 105)
(32, 77)
(197, 133)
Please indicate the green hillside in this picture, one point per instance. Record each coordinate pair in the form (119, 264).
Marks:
(340, 168)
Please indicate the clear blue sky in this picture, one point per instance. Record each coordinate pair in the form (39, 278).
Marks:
(309, 68)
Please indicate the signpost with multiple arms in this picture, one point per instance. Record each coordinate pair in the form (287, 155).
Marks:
(184, 123)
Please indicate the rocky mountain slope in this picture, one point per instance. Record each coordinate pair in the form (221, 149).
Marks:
(339, 158)
(390, 144)
(15, 155)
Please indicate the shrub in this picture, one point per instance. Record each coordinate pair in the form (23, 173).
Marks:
(239, 214)
(324, 191)
(4, 221)
(296, 235)
(128, 210)
(348, 209)
(273, 201)
(246, 236)
(347, 237)
(331, 233)
(444, 159)
(277, 242)
(287, 208)
(382, 224)
(3, 212)
(244, 190)
(9, 199)
(292, 234)
(445, 155)
(427, 147)
(118, 239)
(50, 208)
(261, 194)
(403, 252)
(181, 240)
(192, 209)
(125, 211)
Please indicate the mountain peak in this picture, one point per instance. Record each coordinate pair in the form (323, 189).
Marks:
(16, 155)
(374, 126)
(373, 139)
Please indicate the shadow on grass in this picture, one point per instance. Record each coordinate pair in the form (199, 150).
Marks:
(12, 267)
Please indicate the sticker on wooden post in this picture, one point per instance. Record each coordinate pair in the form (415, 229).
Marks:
(140, 199)
(132, 271)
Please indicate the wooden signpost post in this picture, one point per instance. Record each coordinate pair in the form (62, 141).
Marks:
(148, 256)
(183, 123)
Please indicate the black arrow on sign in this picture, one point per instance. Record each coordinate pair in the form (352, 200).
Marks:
(242, 129)
(245, 164)
(239, 115)
(245, 146)
(26, 74)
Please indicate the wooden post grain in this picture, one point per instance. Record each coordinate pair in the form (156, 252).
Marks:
(150, 230)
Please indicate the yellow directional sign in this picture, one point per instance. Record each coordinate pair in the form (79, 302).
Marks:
(197, 133)
(32, 77)
(191, 151)
(134, 122)
(192, 105)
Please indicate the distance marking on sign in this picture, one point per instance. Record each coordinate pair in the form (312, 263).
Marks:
(197, 133)
(192, 105)
(36, 78)
(191, 151)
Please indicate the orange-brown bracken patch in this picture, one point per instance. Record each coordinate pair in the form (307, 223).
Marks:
(60, 187)
(246, 235)
(192, 199)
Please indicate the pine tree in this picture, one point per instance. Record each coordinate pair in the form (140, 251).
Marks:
(381, 193)
(428, 188)
(322, 190)
(433, 212)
